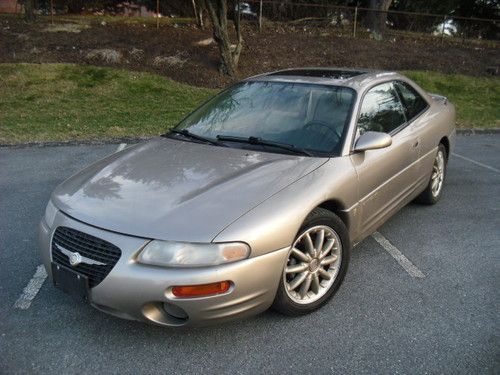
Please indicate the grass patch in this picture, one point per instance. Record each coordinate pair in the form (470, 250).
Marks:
(476, 98)
(55, 102)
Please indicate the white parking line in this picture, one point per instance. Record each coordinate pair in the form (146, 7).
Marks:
(476, 162)
(121, 147)
(398, 255)
(31, 290)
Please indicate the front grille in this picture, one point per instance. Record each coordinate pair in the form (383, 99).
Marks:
(87, 246)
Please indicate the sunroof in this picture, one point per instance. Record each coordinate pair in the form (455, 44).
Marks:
(319, 73)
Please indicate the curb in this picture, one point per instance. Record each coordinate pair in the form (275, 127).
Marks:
(108, 141)
(83, 142)
(478, 131)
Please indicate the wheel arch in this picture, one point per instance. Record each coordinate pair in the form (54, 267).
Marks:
(446, 143)
(336, 207)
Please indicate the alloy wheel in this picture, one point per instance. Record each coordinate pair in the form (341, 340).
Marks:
(437, 177)
(313, 264)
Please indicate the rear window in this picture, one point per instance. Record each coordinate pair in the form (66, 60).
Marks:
(413, 103)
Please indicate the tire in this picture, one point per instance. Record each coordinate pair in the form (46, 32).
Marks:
(429, 195)
(300, 300)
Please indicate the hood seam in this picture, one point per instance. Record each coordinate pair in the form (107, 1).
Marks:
(265, 200)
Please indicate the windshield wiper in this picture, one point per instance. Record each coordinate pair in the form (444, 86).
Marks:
(263, 142)
(186, 133)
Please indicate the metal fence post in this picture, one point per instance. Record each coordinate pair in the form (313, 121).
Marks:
(355, 22)
(260, 15)
(442, 29)
(157, 14)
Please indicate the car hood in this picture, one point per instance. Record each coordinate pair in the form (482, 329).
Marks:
(175, 190)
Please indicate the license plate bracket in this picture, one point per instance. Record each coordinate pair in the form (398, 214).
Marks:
(70, 282)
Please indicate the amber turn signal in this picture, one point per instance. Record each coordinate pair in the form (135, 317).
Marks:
(201, 290)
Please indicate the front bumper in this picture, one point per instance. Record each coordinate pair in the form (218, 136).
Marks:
(141, 292)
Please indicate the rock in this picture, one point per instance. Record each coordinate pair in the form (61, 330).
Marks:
(177, 59)
(204, 42)
(110, 56)
(136, 53)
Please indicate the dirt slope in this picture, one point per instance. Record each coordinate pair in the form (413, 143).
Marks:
(173, 50)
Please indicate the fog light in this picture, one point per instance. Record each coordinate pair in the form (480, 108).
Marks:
(201, 290)
(175, 311)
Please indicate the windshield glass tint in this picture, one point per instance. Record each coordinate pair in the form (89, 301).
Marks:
(308, 116)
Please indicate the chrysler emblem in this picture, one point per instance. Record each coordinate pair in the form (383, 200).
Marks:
(75, 259)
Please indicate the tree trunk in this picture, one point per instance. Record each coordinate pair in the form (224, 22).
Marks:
(198, 13)
(217, 10)
(239, 37)
(29, 10)
(201, 24)
(378, 17)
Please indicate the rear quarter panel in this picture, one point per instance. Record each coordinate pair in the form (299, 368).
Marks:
(435, 125)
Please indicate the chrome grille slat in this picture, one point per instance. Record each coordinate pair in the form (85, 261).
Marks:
(83, 251)
(83, 244)
(83, 238)
(88, 246)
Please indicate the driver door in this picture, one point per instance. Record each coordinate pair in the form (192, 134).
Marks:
(386, 176)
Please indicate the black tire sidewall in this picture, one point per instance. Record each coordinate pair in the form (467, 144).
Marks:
(283, 302)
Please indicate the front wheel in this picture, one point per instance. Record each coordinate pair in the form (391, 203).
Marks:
(315, 266)
(434, 189)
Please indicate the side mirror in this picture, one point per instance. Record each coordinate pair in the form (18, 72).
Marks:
(372, 141)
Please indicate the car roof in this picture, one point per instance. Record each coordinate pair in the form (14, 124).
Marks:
(354, 78)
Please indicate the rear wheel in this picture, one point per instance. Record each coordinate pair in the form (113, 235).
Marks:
(434, 189)
(315, 266)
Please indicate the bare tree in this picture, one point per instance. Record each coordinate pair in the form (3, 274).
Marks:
(29, 10)
(229, 55)
(379, 16)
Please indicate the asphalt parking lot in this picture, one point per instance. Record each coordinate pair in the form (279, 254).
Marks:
(382, 320)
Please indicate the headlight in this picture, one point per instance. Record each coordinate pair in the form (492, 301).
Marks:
(185, 254)
(50, 214)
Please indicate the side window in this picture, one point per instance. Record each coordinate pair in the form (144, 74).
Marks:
(381, 110)
(412, 101)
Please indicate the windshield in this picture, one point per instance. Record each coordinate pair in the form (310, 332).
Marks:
(307, 116)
